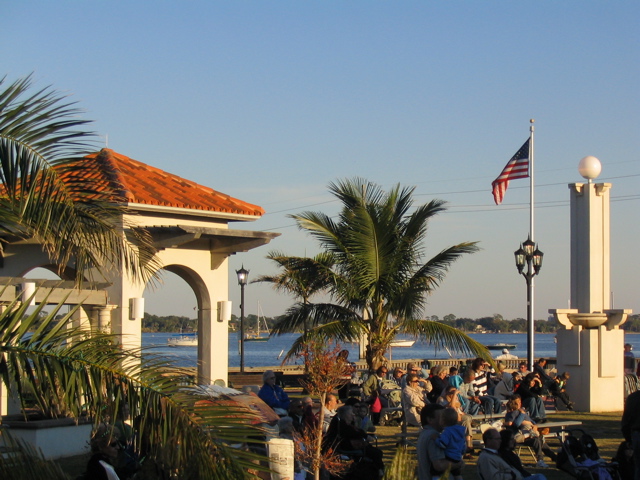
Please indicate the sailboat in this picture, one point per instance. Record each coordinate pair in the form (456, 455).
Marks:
(184, 340)
(261, 333)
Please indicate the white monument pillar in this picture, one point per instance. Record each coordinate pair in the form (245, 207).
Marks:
(590, 342)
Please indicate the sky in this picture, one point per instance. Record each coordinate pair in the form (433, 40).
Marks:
(269, 102)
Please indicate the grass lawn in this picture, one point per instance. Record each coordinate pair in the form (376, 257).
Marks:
(604, 427)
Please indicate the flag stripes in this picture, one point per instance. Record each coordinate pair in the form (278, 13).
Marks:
(517, 167)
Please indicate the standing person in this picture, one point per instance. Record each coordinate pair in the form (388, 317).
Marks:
(491, 466)
(274, 395)
(481, 387)
(105, 446)
(508, 454)
(629, 360)
(413, 400)
(452, 441)
(631, 428)
(429, 455)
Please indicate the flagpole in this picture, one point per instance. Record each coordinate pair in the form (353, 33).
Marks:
(530, 293)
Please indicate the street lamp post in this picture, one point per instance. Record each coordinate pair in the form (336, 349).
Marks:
(529, 255)
(243, 275)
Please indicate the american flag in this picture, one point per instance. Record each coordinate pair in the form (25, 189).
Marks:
(518, 167)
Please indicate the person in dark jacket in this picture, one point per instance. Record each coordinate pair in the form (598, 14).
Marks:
(105, 446)
(273, 395)
(529, 391)
(344, 436)
(631, 428)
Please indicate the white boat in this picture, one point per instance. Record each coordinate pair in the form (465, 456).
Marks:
(184, 340)
(261, 333)
(402, 343)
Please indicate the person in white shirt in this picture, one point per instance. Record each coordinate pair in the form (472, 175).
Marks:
(329, 408)
(506, 355)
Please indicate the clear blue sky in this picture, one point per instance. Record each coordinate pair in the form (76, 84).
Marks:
(270, 101)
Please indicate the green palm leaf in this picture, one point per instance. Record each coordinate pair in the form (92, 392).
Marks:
(49, 190)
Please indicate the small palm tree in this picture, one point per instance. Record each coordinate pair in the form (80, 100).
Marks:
(380, 282)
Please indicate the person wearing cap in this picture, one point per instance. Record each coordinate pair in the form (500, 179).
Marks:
(506, 355)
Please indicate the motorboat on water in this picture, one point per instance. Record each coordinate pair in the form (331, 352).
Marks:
(500, 346)
(402, 343)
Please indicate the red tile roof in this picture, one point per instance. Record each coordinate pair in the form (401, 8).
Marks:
(148, 185)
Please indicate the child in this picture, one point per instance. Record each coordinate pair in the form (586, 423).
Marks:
(452, 440)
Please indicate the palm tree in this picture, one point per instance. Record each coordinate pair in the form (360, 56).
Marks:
(46, 193)
(380, 282)
(176, 426)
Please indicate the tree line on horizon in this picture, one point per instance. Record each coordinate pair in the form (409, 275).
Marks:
(496, 324)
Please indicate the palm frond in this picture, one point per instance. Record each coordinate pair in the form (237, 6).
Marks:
(441, 335)
(92, 375)
(47, 194)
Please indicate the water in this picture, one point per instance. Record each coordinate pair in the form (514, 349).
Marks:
(260, 354)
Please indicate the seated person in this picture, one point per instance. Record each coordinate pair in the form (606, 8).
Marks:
(438, 383)
(508, 454)
(489, 403)
(557, 388)
(539, 368)
(105, 446)
(296, 412)
(397, 375)
(346, 437)
(466, 394)
(274, 395)
(449, 398)
(363, 417)
(491, 466)
(430, 457)
(452, 440)
(413, 399)
(329, 408)
(506, 386)
(529, 391)
(526, 431)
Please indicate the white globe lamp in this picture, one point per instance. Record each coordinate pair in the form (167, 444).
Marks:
(590, 168)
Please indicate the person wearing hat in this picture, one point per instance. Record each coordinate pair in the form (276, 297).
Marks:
(506, 355)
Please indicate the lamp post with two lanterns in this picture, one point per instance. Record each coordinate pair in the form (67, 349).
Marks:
(529, 255)
(243, 276)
